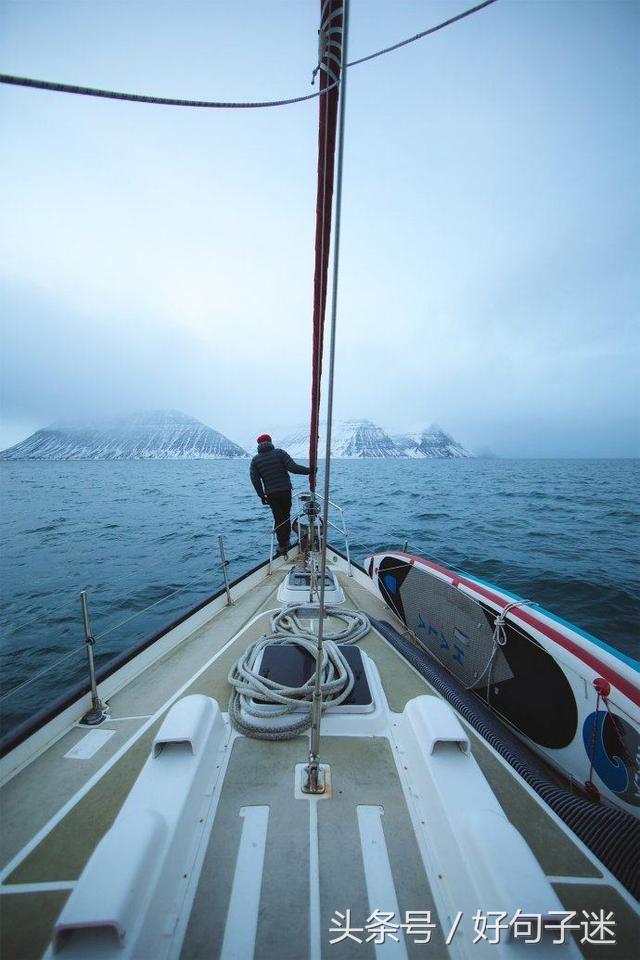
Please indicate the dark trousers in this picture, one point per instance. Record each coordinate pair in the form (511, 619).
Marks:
(280, 503)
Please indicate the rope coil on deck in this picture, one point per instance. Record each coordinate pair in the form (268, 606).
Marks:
(280, 718)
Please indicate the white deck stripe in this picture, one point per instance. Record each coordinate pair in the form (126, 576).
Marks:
(314, 883)
(110, 719)
(381, 889)
(37, 887)
(91, 782)
(241, 925)
(583, 880)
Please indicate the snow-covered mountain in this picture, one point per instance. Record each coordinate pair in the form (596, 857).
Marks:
(171, 435)
(361, 439)
(407, 444)
(350, 440)
(147, 435)
(432, 442)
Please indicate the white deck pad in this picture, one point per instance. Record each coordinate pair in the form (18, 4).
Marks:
(313, 863)
(381, 889)
(89, 745)
(242, 916)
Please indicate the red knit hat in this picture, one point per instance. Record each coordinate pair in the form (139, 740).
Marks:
(264, 438)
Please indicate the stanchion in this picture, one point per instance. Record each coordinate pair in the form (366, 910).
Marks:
(99, 710)
(224, 563)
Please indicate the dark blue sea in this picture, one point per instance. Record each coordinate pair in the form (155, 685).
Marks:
(142, 539)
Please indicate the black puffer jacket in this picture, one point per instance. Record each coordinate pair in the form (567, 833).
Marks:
(270, 469)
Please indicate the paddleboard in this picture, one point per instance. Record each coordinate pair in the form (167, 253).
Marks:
(574, 699)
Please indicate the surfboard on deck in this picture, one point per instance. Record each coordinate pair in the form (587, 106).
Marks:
(572, 698)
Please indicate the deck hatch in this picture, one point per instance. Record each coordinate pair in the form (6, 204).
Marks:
(300, 580)
(298, 585)
(292, 666)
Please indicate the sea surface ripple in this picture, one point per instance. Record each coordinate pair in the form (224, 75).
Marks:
(142, 539)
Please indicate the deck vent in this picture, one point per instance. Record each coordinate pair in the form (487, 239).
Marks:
(103, 909)
(86, 940)
(186, 726)
(121, 901)
(436, 726)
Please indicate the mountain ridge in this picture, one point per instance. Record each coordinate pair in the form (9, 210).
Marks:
(430, 443)
(173, 435)
(142, 435)
(362, 439)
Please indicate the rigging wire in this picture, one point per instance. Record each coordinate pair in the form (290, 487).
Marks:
(142, 98)
(46, 614)
(40, 673)
(138, 613)
(12, 80)
(424, 33)
(13, 628)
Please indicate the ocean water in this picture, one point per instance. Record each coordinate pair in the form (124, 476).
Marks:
(142, 539)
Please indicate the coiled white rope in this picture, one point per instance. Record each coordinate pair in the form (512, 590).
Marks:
(356, 624)
(280, 717)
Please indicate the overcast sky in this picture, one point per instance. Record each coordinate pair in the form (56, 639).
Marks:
(160, 257)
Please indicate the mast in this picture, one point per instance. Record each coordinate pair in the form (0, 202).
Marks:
(333, 35)
(329, 67)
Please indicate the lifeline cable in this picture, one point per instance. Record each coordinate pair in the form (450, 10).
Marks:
(83, 91)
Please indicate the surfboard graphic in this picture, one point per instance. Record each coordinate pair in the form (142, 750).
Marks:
(569, 696)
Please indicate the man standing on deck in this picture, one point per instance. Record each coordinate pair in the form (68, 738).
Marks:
(270, 469)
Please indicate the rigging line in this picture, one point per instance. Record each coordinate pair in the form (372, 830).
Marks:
(40, 673)
(142, 98)
(47, 613)
(74, 593)
(151, 586)
(423, 554)
(121, 601)
(138, 613)
(7, 625)
(12, 80)
(424, 33)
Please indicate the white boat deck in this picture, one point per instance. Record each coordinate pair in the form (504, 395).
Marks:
(312, 852)
(281, 864)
